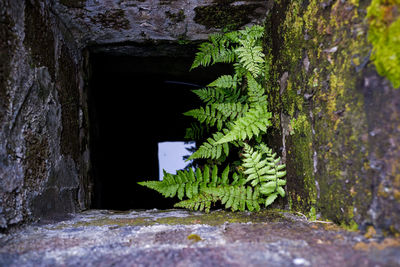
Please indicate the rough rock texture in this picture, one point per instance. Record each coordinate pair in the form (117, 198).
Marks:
(116, 21)
(181, 238)
(42, 166)
(339, 120)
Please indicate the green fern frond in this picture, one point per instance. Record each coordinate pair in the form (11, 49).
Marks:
(216, 50)
(270, 199)
(200, 202)
(255, 32)
(256, 92)
(171, 185)
(263, 167)
(236, 197)
(211, 149)
(233, 37)
(232, 110)
(254, 121)
(251, 57)
(208, 115)
(210, 95)
(188, 183)
(256, 168)
(204, 56)
(225, 81)
(219, 95)
(196, 131)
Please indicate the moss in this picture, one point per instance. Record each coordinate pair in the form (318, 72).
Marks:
(111, 222)
(213, 218)
(194, 238)
(220, 217)
(324, 150)
(176, 17)
(36, 155)
(7, 48)
(370, 233)
(224, 15)
(73, 3)
(68, 90)
(114, 19)
(384, 31)
(312, 215)
(39, 38)
(385, 243)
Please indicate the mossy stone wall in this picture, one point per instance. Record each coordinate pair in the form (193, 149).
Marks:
(339, 121)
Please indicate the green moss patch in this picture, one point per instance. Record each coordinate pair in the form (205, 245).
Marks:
(224, 15)
(384, 31)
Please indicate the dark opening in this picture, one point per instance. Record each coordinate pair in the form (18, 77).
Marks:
(135, 103)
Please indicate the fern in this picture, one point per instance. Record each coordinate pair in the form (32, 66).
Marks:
(196, 131)
(225, 81)
(260, 169)
(251, 56)
(236, 105)
(200, 202)
(211, 149)
(253, 122)
(236, 197)
(209, 115)
(210, 95)
(255, 92)
(217, 50)
(232, 110)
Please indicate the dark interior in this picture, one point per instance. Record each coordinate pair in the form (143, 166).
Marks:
(134, 103)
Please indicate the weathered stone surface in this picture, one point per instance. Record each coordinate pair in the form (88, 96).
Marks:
(182, 238)
(105, 22)
(40, 140)
(339, 121)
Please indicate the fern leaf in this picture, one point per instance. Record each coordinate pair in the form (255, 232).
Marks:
(200, 202)
(270, 199)
(255, 168)
(236, 197)
(232, 110)
(184, 183)
(210, 95)
(251, 124)
(224, 81)
(224, 176)
(208, 115)
(255, 32)
(251, 57)
(168, 187)
(211, 149)
(255, 92)
(216, 50)
(196, 131)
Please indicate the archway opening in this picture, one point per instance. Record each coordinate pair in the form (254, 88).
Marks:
(136, 103)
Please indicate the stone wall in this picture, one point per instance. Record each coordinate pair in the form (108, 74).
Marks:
(42, 144)
(338, 121)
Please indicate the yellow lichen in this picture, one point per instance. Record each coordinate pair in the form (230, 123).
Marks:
(193, 237)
